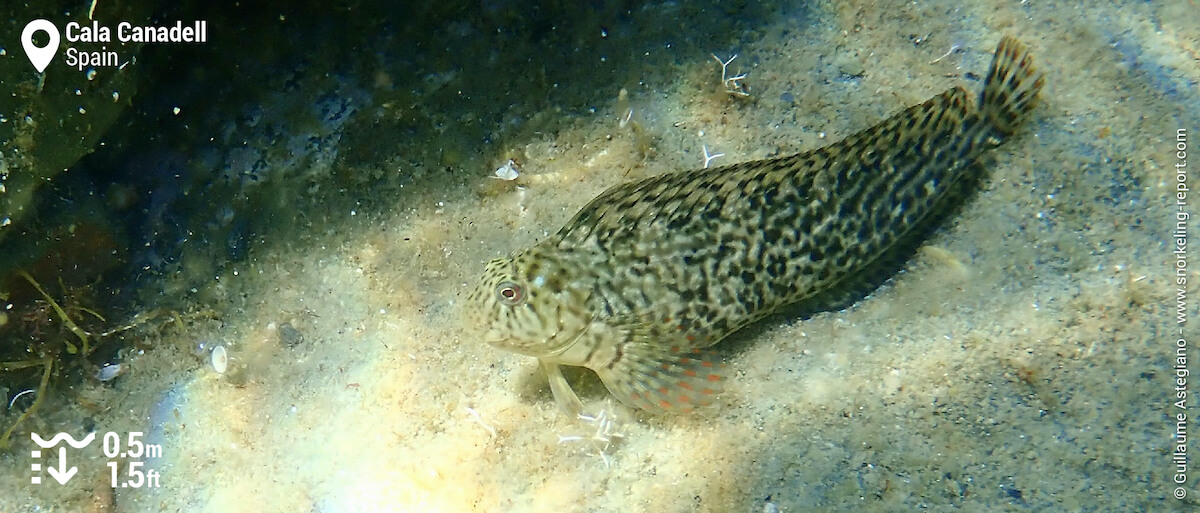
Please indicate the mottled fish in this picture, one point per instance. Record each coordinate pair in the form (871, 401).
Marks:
(652, 272)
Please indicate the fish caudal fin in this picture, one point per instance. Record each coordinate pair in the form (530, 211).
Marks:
(661, 380)
(1011, 89)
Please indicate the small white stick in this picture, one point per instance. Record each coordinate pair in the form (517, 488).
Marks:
(724, 65)
(709, 157)
(947, 54)
(15, 397)
(479, 420)
(731, 83)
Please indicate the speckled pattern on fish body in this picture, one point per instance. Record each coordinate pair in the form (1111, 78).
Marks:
(651, 272)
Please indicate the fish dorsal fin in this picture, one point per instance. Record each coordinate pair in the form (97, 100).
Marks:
(664, 379)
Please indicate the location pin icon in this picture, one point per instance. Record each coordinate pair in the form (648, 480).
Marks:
(40, 57)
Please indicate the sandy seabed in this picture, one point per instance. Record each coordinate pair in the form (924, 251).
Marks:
(1023, 361)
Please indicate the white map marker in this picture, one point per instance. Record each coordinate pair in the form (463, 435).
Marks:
(40, 57)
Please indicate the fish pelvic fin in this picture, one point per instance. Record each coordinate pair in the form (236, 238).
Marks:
(564, 397)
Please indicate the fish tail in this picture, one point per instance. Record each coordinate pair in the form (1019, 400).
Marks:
(1011, 89)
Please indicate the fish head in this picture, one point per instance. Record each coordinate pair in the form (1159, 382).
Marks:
(527, 304)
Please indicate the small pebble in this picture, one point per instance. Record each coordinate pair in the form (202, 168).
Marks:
(110, 372)
(220, 359)
(289, 336)
(507, 172)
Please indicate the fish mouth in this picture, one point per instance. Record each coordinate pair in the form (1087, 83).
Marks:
(551, 345)
(495, 338)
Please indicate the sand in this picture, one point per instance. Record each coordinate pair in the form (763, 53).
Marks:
(1023, 361)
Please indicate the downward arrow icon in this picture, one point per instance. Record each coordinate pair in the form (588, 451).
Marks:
(62, 474)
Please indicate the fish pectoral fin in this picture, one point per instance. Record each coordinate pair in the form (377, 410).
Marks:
(566, 399)
(657, 379)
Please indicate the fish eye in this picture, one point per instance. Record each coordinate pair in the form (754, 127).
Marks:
(510, 293)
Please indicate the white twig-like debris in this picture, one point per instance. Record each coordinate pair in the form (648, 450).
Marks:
(953, 48)
(732, 84)
(479, 418)
(18, 396)
(626, 118)
(603, 436)
(709, 157)
(624, 108)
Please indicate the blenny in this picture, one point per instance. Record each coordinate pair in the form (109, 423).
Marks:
(650, 273)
